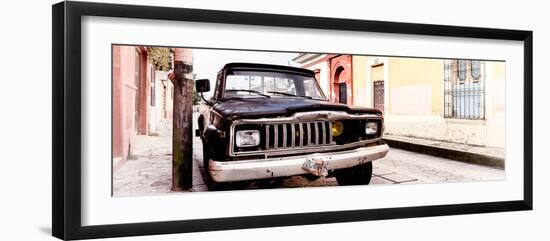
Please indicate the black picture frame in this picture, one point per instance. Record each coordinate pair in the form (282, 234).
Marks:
(66, 153)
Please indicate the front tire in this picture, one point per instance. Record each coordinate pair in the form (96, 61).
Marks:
(357, 175)
(205, 157)
(209, 182)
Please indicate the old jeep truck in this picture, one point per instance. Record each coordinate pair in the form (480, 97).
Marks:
(268, 121)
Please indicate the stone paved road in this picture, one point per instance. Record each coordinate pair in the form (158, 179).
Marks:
(405, 167)
(149, 170)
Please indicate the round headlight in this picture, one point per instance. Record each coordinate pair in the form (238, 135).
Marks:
(337, 128)
(371, 128)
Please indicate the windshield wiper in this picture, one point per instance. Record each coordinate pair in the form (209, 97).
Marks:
(249, 91)
(288, 94)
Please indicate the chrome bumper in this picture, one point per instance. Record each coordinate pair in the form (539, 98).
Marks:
(290, 166)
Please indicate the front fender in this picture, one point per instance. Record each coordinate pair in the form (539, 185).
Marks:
(215, 141)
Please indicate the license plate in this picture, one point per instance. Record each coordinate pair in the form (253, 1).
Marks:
(316, 167)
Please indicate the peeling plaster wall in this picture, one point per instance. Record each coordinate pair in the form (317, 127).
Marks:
(438, 128)
(418, 82)
(416, 100)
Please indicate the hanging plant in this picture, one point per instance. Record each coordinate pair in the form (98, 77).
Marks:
(160, 57)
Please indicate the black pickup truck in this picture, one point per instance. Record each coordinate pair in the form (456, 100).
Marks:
(268, 122)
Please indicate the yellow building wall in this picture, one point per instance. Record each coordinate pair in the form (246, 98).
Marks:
(377, 72)
(414, 104)
(415, 86)
(361, 95)
(495, 108)
(495, 82)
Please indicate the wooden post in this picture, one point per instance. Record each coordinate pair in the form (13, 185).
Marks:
(182, 142)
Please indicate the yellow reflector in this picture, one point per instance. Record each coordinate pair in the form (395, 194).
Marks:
(337, 128)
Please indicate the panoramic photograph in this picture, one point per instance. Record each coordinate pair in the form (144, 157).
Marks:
(201, 120)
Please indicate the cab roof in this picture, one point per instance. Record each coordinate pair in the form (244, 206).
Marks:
(267, 67)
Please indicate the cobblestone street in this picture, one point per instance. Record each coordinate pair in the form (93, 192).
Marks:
(148, 171)
(404, 167)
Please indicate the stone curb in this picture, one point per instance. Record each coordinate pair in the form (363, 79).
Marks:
(457, 155)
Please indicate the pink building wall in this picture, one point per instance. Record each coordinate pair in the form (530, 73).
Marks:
(339, 71)
(133, 112)
(131, 80)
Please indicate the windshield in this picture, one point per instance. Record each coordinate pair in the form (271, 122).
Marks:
(258, 84)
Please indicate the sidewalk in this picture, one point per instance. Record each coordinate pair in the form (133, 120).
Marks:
(149, 169)
(460, 152)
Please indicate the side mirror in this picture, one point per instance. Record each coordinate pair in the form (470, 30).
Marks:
(202, 85)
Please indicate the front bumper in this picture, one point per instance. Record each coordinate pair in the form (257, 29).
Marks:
(290, 166)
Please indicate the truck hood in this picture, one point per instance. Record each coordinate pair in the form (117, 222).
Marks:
(280, 106)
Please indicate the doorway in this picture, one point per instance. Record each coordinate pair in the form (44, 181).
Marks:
(342, 93)
(378, 96)
(341, 79)
(377, 77)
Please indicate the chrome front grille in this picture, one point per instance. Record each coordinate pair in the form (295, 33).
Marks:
(301, 133)
(294, 135)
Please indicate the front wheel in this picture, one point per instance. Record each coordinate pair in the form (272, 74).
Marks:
(357, 175)
(205, 156)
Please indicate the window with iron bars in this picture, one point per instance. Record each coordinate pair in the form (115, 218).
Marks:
(464, 89)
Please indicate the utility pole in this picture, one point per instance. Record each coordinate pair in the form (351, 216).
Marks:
(182, 145)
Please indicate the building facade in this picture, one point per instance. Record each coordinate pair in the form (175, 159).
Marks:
(458, 101)
(142, 98)
(162, 99)
(334, 73)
